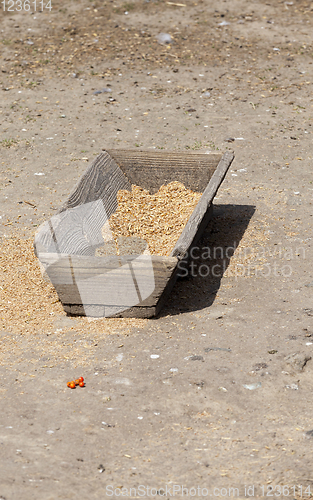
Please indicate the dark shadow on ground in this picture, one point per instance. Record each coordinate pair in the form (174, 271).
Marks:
(215, 249)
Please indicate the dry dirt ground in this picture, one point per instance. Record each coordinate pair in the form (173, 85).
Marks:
(191, 416)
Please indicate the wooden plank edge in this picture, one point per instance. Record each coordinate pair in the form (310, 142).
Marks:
(141, 153)
(132, 312)
(187, 236)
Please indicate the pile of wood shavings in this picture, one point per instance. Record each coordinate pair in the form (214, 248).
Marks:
(25, 298)
(158, 218)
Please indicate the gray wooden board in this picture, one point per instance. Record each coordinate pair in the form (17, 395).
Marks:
(194, 224)
(151, 170)
(102, 180)
(68, 275)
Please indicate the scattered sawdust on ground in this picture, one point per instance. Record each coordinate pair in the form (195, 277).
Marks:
(158, 218)
(26, 299)
(30, 310)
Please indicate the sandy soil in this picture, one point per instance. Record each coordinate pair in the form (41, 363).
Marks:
(189, 417)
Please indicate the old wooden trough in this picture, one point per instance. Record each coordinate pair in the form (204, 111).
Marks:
(123, 285)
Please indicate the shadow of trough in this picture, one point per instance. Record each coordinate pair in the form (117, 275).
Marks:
(211, 259)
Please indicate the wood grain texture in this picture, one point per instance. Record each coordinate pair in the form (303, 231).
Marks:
(102, 180)
(151, 170)
(146, 309)
(195, 223)
(108, 283)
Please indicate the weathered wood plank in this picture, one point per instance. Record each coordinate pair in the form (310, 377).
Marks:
(102, 180)
(151, 170)
(111, 282)
(195, 223)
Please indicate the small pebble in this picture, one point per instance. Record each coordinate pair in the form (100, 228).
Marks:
(251, 387)
(164, 38)
(196, 358)
(295, 387)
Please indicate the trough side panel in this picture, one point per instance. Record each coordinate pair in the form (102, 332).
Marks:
(102, 180)
(194, 226)
(96, 277)
(152, 170)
